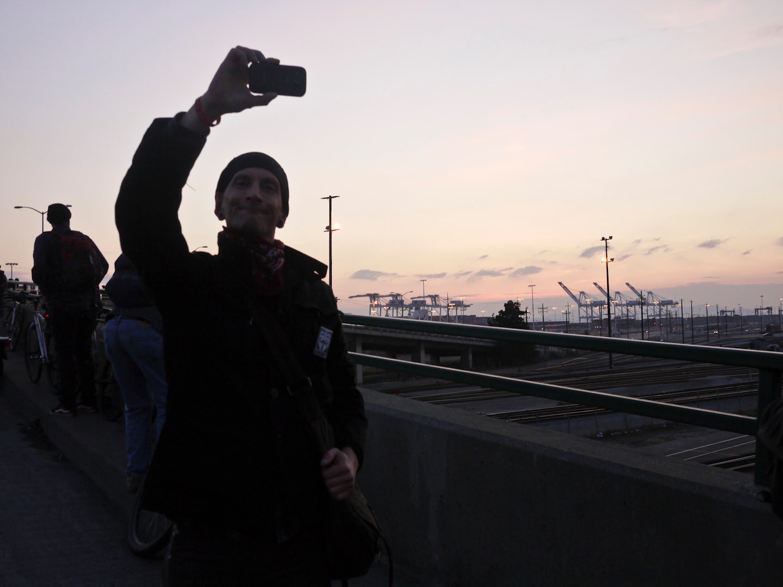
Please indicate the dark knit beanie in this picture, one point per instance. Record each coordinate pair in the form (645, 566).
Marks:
(255, 160)
(58, 213)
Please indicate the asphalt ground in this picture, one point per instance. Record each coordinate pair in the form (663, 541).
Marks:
(64, 505)
(56, 527)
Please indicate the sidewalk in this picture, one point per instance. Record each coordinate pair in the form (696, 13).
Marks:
(97, 447)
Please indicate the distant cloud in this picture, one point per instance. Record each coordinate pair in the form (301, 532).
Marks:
(624, 257)
(779, 242)
(371, 275)
(432, 275)
(487, 273)
(712, 243)
(483, 257)
(658, 249)
(747, 252)
(462, 274)
(527, 270)
(638, 241)
(591, 251)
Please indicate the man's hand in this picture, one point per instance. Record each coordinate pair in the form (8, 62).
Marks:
(338, 468)
(228, 91)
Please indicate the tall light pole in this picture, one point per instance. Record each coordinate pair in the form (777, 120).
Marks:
(707, 319)
(330, 230)
(12, 265)
(607, 260)
(532, 303)
(39, 212)
(761, 315)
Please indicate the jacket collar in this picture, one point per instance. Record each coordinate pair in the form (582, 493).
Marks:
(298, 266)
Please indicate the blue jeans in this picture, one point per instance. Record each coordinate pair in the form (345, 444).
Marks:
(135, 350)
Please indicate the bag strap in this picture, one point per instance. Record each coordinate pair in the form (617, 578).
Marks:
(298, 385)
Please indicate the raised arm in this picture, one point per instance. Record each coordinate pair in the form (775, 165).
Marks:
(151, 192)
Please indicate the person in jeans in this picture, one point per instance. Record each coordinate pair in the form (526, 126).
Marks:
(236, 466)
(68, 268)
(134, 345)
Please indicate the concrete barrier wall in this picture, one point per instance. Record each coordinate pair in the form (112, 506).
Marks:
(470, 501)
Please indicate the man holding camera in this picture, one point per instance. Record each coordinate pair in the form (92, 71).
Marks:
(236, 467)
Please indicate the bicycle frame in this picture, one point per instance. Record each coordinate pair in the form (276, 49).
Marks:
(40, 325)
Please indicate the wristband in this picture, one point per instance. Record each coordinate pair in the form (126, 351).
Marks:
(203, 117)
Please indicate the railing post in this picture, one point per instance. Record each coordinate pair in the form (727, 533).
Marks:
(769, 391)
(359, 368)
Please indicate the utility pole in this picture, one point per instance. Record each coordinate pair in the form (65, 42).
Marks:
(543, 320)
(12, 265)
(691, 321)
(330, 230)
(532, 303)
(761, 316)
(682, 321)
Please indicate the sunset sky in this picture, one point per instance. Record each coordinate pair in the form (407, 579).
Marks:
(481, 146)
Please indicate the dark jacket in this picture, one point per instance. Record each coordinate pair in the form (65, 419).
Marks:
(234, 447)
(48, 272)
(129, 295)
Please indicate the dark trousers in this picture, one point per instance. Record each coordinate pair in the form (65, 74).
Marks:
(72, 332)
(206, 557)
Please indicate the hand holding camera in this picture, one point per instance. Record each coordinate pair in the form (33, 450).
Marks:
(245, 78)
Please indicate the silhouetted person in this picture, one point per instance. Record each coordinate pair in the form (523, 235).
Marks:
(134, 345)
(68, 268)
(235, 466)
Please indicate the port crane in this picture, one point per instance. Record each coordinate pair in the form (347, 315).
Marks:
(584, 303)
(375, 301)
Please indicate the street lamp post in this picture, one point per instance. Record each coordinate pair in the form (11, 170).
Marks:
(761, 316)
(330, 230)
(12, 265)
(532, 304)
(607, 260)
(641, 312)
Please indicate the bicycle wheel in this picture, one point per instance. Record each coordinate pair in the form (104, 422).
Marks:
(33, 360)
(15, 329)
(148, 531)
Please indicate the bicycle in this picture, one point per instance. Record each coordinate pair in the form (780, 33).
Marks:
(37, 346)
(14, 321)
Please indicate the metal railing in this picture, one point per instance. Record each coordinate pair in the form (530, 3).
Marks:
(768, 364)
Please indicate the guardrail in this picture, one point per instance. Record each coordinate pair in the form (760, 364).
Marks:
(769, 365)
